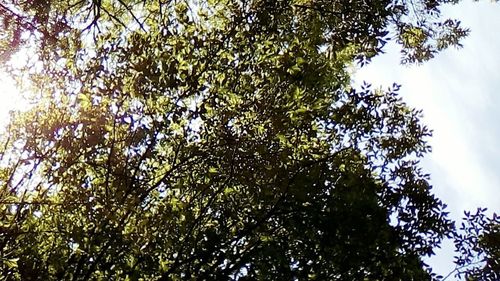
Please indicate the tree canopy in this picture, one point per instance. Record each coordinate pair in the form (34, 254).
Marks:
(215, 140)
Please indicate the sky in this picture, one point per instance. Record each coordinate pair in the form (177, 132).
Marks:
(459, 94)
(9, 100)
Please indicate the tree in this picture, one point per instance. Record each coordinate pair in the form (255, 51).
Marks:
(216, 140)
(478, 246)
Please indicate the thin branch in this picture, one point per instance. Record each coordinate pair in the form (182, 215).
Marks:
(20, 18)
(133, 15)
(96, 8)
(115, 18)
(458, 268)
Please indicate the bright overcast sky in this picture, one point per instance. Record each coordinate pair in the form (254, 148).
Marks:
(8, 99)
(459, 94)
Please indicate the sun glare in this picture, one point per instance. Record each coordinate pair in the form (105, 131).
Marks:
(10, 99)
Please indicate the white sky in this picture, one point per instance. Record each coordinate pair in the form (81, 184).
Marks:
(8, 99)
(458, 92)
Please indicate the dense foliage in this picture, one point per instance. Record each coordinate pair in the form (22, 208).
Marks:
(217, 139)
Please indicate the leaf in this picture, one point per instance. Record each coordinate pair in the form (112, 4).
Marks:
(11, 263)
